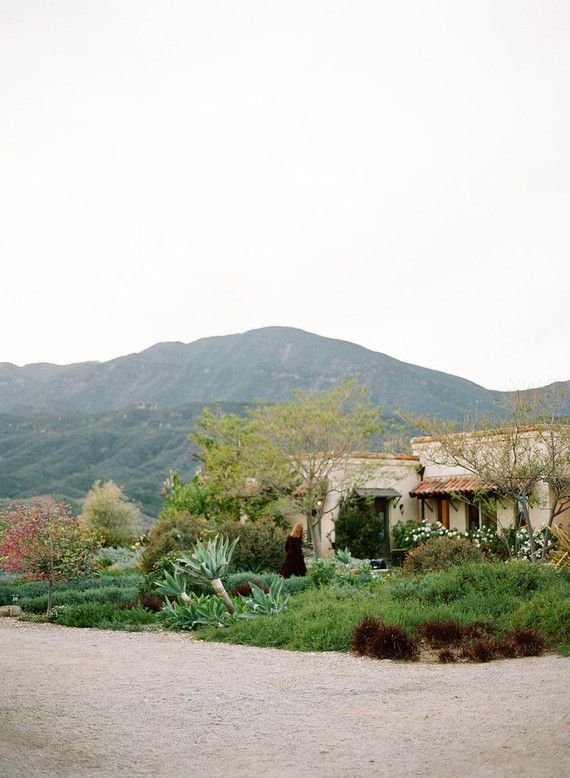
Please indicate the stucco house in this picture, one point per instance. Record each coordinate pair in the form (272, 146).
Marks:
(419, 486)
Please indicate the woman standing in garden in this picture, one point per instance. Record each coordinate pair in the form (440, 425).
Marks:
(294, 561)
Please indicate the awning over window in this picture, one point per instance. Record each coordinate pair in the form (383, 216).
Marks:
(377, 493)
(431, 487)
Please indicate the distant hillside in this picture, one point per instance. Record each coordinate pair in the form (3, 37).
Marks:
(265, 364)
(63, 454)
(63, 427)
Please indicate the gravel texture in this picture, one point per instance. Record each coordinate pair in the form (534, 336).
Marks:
(77, 702)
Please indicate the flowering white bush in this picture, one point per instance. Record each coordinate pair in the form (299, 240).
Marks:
(413, 534)
(519, 542)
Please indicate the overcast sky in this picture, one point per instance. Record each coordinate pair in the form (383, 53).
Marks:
(396, 174)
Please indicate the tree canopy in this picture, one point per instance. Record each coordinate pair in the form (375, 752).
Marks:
(296, 451)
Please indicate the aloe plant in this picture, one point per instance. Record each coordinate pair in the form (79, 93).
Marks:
(173, 586)
(263, 603)
(200, 610)
(206, 564)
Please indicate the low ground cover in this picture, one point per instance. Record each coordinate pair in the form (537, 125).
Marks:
(504, 595)
(118, 588)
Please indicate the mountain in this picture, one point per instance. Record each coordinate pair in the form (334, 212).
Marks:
(264, 364)
(63, 427)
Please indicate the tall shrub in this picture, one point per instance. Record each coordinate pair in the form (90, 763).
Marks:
(440, 553)
(108, 512)
(175, 532)
(261, 546)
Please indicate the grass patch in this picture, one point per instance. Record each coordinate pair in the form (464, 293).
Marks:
(507, 596)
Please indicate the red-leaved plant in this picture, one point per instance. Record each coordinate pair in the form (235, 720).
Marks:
(40, 540)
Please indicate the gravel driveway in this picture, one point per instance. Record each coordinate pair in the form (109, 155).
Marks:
(77, 702)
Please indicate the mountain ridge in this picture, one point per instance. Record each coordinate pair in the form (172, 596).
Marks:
(264, 363)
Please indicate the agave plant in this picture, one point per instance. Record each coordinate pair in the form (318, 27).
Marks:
(343, 556)
(200, 610)
(173, 586)
(265, 603)
(206, 564)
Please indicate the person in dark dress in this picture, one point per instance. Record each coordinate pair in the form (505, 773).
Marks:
(294, 561)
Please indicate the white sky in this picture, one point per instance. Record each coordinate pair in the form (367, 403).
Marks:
(396, 174)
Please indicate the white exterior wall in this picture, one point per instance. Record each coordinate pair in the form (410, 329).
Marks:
(381, 471)
(426, 449)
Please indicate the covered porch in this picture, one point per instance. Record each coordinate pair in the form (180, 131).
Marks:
(461, 502)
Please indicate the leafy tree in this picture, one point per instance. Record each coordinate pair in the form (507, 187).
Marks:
(180, 497)
(244, 473)
(108, 512)
(42, 541)
(300, 451)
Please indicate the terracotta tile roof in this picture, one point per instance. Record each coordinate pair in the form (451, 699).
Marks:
(447, 485)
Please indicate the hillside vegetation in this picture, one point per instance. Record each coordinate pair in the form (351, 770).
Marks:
(64, 454)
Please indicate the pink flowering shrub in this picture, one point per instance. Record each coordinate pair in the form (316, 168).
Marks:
(40, 540)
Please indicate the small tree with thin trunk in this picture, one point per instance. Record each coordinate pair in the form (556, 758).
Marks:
(42, 541)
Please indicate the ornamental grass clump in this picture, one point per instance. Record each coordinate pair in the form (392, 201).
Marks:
(446, 656)
(363, 635)
(439, 632)
(481, 650)
(383, 641)
(528, 642)
(392, 642)
(507, 648)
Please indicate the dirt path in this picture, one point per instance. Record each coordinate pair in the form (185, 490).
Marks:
(77, 702)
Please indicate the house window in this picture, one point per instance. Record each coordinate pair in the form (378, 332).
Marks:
(443, 512)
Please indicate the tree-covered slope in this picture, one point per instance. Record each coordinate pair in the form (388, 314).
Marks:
(64, 454)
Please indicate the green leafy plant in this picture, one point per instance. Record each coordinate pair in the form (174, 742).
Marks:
(261, 543)
(322, 571)
(174, 532)
(110, 515)
(102, 616)
(343, 556)
(358, 527)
